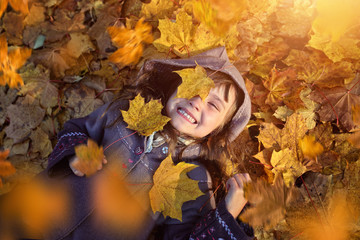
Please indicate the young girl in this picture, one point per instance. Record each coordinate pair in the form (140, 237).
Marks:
(199, 131)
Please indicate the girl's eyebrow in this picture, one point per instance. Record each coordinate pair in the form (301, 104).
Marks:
(216, 97)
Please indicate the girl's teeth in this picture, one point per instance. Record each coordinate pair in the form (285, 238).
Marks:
(187, 115)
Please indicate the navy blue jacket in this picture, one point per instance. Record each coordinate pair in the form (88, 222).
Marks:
(201, 219)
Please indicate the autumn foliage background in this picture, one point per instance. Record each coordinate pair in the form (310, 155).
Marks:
(61, 59)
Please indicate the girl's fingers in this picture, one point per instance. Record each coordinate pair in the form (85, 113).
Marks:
(241, 179)
(104, 160)
(78, 173)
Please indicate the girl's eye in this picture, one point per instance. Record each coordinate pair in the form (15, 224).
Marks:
(213, 105)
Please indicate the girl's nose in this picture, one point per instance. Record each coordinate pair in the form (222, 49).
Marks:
(196, 102)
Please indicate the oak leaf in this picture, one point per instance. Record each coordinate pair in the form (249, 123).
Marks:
(268, 203)
(130, 42)
(145, 118)
(194, 82)
(309, 147)
(172, 187)
(10, 62)
(17, 5)
(90, 157)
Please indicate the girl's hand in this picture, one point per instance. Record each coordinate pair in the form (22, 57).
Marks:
(234, 199)
(77, 172)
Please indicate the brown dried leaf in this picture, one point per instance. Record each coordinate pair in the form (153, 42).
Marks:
(38, 85)
(40, 142)
(268, 203)
(81, 100)
(337, 102)
(25, 115)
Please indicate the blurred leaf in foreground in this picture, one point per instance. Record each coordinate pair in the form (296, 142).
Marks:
(90, 157)
(10, 62)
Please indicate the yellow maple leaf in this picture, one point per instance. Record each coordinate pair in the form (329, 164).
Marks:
(145, 118)
(10, 62)
(268, 203)
(175, 36)
(17, 5)
(90, 157)
(286, 163)
(310, 147)
(172, 187)
(158, 9)
(194, 82)
(218, 15)
(130, 42)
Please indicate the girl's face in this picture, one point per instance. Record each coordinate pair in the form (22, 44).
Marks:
(197, 118)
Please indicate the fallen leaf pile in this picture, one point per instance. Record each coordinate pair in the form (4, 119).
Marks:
(300, 59)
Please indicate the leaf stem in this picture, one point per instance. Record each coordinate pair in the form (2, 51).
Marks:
(118, 140)
(307, 190)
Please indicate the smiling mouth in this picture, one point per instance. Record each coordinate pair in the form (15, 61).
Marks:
(186, 115)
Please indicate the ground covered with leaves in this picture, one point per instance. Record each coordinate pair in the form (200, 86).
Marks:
(61, 59)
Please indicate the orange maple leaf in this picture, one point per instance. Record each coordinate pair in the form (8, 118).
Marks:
(6, 168)
(130, 42)
(90, 157)
(283, 88)
(9, 63)
(17, 5)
